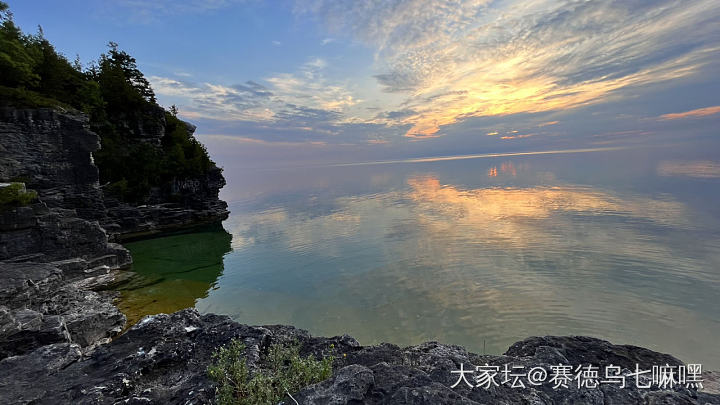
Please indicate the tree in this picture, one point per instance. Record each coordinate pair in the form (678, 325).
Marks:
(121, 82)
(4, 11)
(16, 62)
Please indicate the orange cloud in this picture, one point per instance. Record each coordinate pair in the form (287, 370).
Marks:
(517, 136)
(545, 124)
(700, 112)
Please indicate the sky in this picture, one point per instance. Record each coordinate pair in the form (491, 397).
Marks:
(283, 81)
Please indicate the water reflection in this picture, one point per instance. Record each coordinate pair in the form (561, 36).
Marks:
(173, 272)
(505, 205)
(507, 168)
(444, 252)
(693, 168)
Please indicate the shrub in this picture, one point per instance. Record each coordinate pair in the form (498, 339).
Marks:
(15, 195)
(284, 371)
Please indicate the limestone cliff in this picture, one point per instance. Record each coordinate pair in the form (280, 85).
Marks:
(52, 152)
(55, 251)
(52, 249)
(179, 201)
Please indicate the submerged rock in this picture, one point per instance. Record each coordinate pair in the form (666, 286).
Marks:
(163, 359)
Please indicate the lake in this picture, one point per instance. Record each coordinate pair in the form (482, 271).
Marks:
(482, 252)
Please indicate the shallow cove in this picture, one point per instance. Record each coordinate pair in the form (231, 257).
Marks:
(480, 252)
(174, 271)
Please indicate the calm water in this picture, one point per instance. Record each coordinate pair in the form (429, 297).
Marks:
(623, 245)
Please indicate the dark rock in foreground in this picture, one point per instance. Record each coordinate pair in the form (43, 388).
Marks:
(163, 359)
(46, 303)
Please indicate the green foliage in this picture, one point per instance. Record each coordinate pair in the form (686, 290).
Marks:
(15, 195)
(17, 57)
(119, 187)
(122, 86)
(24, 98)
(31, 66)
(283, 372)
(60, 80)
(185, 156)
(118, 99)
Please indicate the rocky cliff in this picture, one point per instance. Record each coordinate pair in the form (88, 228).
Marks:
(53, 249)
(51, 152)
(178, 202)
(56, 250)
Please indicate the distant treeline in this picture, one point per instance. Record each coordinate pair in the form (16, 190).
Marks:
(116, 97)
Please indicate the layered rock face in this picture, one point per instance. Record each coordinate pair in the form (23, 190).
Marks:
(179, 203)
(51, 152)
(52, 250)
(163, 359)
(199, 204)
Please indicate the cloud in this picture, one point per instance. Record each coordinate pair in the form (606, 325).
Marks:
(697, 113)
(446, 68)
(250, 140)
(457, 59)
(301, 99)
(517, 136)
(309, 87)
(249, 101)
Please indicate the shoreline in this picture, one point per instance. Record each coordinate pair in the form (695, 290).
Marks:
(61, 335)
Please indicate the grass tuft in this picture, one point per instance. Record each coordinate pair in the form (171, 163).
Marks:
(283, 372)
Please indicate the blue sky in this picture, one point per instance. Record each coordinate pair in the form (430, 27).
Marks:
(348, 80)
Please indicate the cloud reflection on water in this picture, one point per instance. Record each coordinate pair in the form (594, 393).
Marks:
(463, 264)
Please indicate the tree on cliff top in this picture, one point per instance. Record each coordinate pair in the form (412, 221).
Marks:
(34, 74)
(122, 84)
(16, 60)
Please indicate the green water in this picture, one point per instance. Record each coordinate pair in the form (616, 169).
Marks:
(173, 271)
(483, 252)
